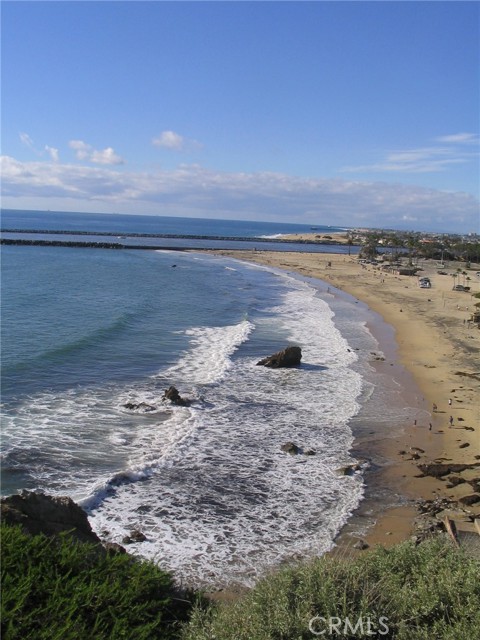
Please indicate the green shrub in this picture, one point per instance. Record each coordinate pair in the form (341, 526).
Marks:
(428, 592)
(55, 588)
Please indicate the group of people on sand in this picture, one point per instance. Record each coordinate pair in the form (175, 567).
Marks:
(434, 410)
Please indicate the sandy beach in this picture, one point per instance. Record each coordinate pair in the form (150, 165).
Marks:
(438, 348)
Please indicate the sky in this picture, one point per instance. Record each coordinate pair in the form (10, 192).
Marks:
(360, 114)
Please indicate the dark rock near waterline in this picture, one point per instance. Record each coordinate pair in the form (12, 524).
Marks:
(469, 500)
(294, 449)
(133, 406)
(173, 395)
(455, 481)
(351, 469)
(289, 357)
(113, 548)
(475, 484)
(40, 513)
(437, 470)
(361, 544)
(134, 536)
(290, 447)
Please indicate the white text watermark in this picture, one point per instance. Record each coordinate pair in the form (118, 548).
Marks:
(363, 626)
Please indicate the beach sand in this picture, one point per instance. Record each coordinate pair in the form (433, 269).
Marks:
(438, 348)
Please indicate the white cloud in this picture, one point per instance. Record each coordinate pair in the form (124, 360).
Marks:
(26, 139)
(431, 159)
(106, 156)
(84, 151)
(175, 142)
(52, 152)
(169, 140)
(460, 138)
(192, 190)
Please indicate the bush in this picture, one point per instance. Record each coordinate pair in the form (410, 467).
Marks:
(56, 588)
(428, 592)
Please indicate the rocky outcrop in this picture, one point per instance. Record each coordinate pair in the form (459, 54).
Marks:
(439, 470)
(40, 513)
(175, 398)
(289, 357)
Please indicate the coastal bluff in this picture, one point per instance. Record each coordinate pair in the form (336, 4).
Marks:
(40, 513)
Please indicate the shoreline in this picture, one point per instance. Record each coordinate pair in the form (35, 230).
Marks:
(431, 343)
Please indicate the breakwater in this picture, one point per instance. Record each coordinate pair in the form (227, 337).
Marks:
(83, 245)
(185, 236)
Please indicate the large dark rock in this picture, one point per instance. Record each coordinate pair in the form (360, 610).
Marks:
(175, 398)
(289, 357)
(40, 513)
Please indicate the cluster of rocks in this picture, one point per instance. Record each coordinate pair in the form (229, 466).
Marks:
(288, 357)
(432, 513)
(447, 472)
(170, 395)
(293, 449)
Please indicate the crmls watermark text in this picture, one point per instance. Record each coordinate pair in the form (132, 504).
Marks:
(362, 626)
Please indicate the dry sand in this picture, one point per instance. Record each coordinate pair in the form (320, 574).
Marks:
(437, 345)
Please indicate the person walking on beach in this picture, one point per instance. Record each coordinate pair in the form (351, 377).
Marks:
(449, 402)
(451, 421)
(434, 407)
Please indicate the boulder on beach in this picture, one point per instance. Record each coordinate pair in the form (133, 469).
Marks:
(288, 357)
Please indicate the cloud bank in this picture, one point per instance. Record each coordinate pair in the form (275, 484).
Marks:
(191, 190)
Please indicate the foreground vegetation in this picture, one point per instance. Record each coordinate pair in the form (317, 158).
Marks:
(55, 588)
(426, 592)
(69, 591)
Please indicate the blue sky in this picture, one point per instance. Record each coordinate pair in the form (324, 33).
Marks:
(345, 113)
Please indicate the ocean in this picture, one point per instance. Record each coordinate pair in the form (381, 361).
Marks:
(88, 332)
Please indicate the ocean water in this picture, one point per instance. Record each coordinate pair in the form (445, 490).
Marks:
(134, 231)
(84, 332)
(123, 224)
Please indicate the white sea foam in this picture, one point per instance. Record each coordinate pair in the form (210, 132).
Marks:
(209, 355)
(227, 503)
